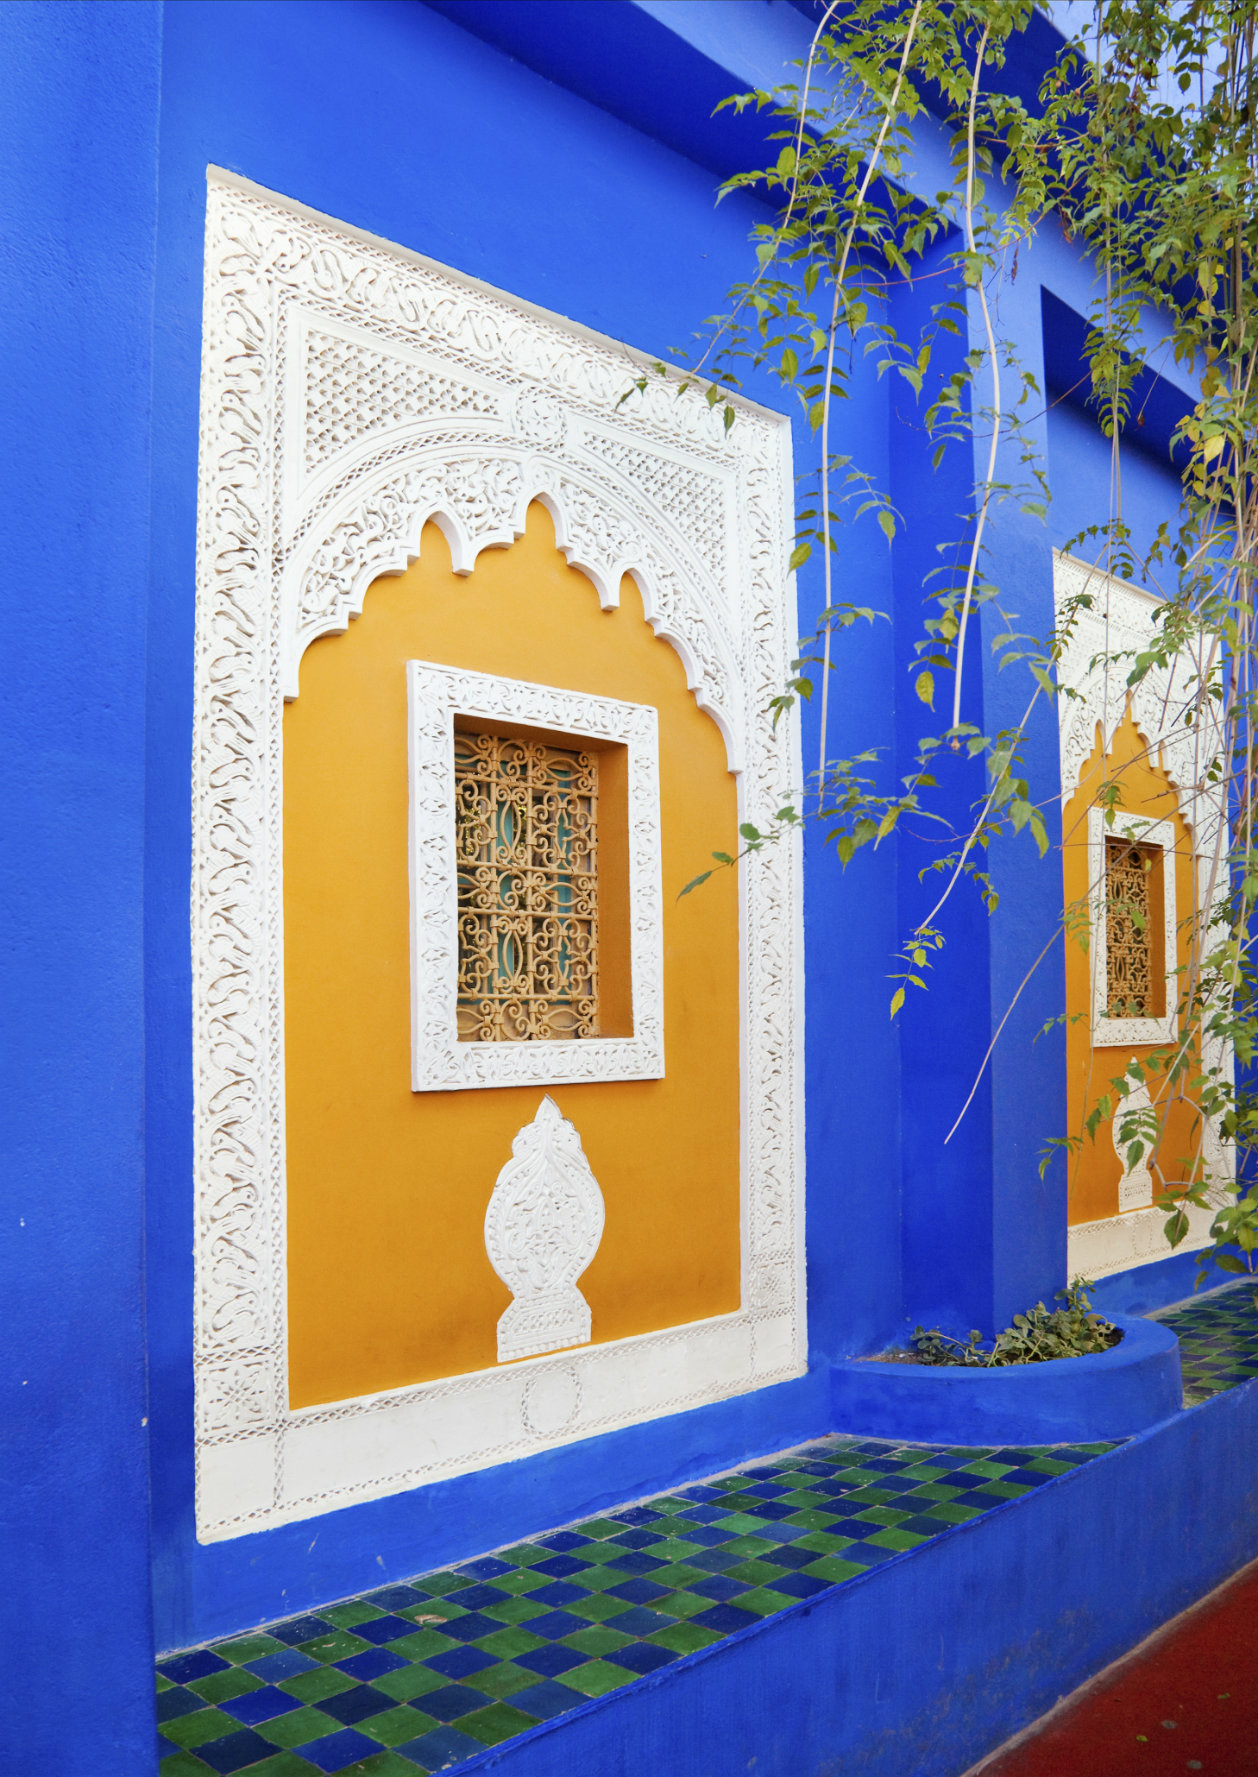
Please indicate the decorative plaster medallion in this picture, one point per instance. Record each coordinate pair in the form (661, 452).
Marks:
(542, 1228)
(552, 1400)
(351, 392)
(439, 1060)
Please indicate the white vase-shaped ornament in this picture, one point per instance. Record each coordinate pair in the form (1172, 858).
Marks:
(542, 1228)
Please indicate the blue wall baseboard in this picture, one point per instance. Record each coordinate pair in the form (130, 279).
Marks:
(936, 1658)
(1146, 1288)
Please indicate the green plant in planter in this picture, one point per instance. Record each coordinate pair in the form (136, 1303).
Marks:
(1034, 1337)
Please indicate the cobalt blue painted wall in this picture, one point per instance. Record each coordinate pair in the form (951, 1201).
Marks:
(947, 1233)
(77, 191)
(1146, 1288)
(389, 117)
(1146, 493)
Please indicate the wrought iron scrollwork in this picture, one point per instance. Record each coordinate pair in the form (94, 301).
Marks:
(527, 839)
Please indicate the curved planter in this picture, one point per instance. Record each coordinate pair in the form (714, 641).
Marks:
(1069, 1400)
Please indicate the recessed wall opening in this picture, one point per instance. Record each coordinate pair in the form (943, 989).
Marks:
(541, 848)
(1135, 972)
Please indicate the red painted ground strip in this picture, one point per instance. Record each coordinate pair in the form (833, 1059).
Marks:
(1187, 1701)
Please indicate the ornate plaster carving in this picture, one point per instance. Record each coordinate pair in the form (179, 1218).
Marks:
(439, 1061)
(542, 1229)
(1093, 675)
(1134, 1237)
(352, 391)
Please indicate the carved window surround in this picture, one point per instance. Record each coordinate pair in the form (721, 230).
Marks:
(1121, 620)
(439, 1061)
(351, 392)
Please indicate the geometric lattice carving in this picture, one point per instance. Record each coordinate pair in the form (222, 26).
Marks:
(681, 493)
(352, 393)
(526, 846)
(542, 1228)
(353, 390)
(1131, 981)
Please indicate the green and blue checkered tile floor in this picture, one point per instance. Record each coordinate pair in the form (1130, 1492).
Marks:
(1218, 1340)
(422, 1677)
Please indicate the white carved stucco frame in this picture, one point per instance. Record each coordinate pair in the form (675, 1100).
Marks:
(353, 391)
(1101, 644)
(439, 1060)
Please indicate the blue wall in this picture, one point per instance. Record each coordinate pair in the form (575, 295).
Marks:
(492, 157)
(77, 188)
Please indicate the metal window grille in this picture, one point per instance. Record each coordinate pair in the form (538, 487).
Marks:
(527, 816)
(1131, 984)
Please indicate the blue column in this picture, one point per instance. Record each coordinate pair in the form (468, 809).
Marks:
(984, 1237)
(78, 179)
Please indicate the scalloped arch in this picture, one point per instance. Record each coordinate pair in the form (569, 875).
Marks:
(1185, 795)
(375, 528)
(1120, 623)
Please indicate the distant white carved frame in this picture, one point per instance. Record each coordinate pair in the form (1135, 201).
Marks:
(351, 392)
(439, 1060)
(1120, 622)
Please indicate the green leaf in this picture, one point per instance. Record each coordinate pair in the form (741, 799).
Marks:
(695, 881)
(799, 555)
(897, 1000)
(887, 522)
(924, 685)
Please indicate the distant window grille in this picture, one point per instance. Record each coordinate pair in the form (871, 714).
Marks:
(527, 824)
(1134, 985)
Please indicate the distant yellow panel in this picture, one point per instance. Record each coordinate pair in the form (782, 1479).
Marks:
(388, 1278)
(1145, 790)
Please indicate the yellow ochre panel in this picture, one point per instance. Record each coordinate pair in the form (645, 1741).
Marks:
(1143, 789)
(388, 1282)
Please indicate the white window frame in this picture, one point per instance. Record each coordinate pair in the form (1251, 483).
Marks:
(440, 1062)
(1114, 1033)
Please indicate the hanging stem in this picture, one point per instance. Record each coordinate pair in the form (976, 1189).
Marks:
(976, 546)
(839, 276)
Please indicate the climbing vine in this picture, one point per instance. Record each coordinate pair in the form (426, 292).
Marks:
(901, 159)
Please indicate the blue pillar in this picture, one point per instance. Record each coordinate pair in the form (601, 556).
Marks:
(984, 1237)
(78, 184)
